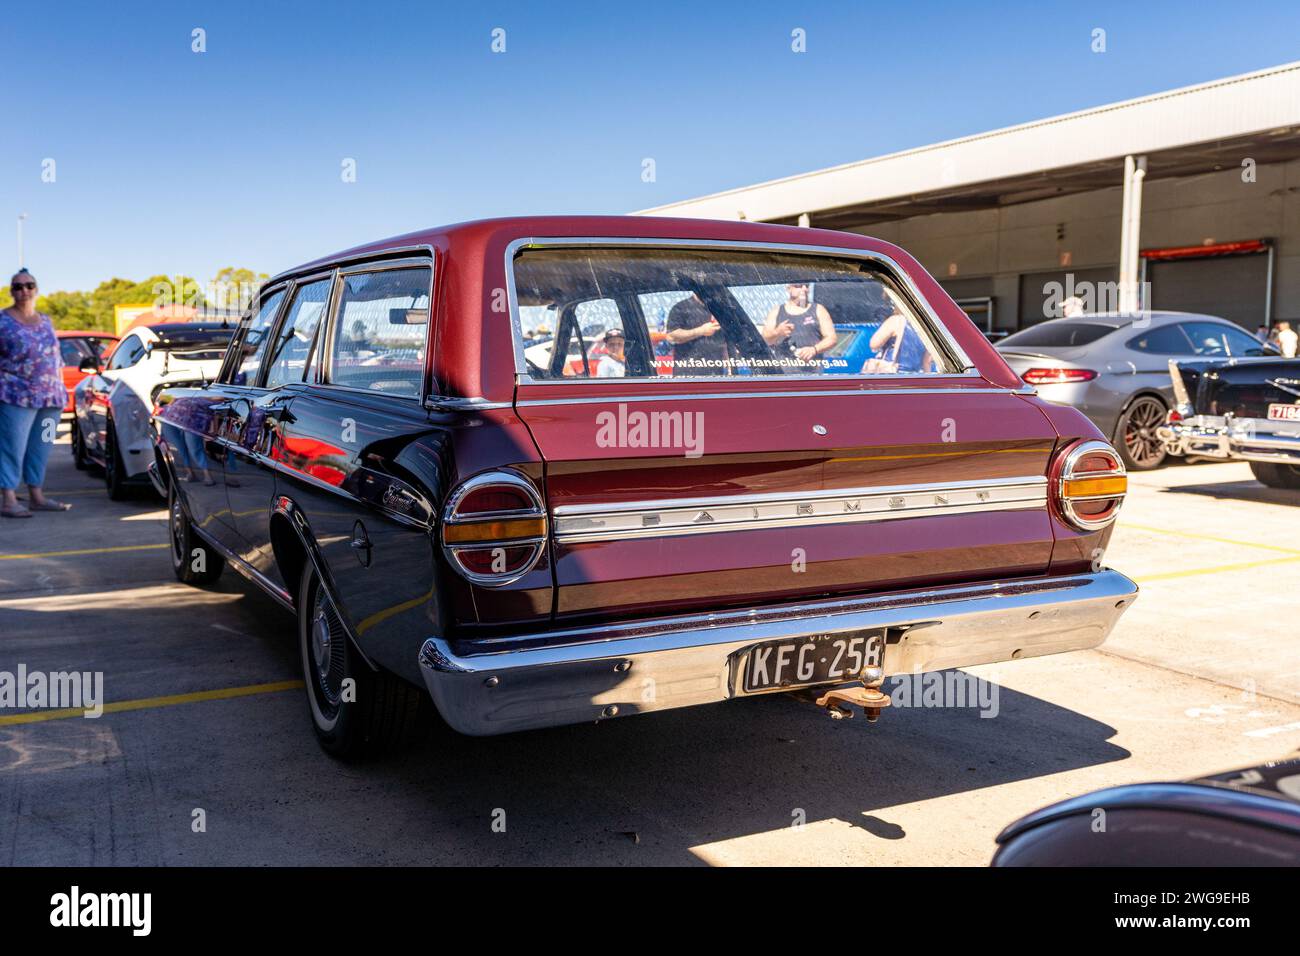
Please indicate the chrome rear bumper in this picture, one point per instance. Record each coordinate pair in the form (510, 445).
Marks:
(1248, 439)
(593, 673)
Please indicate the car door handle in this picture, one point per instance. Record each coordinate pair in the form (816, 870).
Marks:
(279, 413)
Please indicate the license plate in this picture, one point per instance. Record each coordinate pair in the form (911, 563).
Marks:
(800, 661)
(1285, 413)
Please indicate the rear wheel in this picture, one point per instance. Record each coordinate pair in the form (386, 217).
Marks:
(114, 467)
(193, 562)
(354, 710)
(1136, 437)
(1276, 474)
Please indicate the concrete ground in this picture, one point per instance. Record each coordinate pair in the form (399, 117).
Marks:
(1201, 675)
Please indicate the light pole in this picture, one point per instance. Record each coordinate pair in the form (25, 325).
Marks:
(21, 217)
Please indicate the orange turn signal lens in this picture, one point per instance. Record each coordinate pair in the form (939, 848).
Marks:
(480, 532)
(1094, 487)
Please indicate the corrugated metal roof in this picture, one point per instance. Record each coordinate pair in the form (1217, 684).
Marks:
(1222, 109)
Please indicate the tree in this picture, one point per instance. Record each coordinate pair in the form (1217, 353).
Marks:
(232, 288)
(235, 289)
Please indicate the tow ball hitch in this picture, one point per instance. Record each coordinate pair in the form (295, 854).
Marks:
(871, 699)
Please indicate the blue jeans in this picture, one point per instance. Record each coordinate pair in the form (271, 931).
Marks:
(26, 437)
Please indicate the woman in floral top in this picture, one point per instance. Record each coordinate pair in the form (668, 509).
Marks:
(31, 399)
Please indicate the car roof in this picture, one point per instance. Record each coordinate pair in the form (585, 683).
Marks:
(482, 232)
(83, 334)
(1154, 317)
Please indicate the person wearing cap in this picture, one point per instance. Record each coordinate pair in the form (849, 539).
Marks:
(613, 364)
(32, 397)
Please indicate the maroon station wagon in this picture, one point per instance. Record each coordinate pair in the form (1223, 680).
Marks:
(564, 469)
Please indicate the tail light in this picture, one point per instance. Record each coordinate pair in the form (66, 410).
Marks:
(1090, 485)
(1057, 376)
(494, 528)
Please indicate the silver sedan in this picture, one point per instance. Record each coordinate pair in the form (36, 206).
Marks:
(1115, 368)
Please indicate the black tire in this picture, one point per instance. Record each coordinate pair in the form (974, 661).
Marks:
(1135, 433)
(1276, 474)
(114, 468)
(384, 712)
(193, 562)
(79, 459)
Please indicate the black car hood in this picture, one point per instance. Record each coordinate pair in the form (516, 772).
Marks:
(1241, 387)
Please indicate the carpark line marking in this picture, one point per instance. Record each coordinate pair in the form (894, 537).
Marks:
(146, 703)
(1215, 570)
(67, 554)
(1208, 537)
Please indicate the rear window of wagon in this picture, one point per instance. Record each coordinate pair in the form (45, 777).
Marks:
(610, 311)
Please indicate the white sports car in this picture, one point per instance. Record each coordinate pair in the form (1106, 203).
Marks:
(112, 407)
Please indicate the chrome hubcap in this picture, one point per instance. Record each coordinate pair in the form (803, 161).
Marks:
(325, 656)
(320, 644)
(177, 519)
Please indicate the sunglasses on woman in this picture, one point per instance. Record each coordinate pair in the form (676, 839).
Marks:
(23, 285)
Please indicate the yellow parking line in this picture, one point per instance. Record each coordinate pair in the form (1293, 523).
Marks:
(66, 554)
(1208, 537)
(1215, 570)
(145, 703)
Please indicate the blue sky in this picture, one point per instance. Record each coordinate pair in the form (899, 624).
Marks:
(168, 161)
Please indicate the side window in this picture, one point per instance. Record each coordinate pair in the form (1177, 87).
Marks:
(252, 341)
(129, 351)
(71, 352)
(597, 343)
(1212, 339)
(1164, 340)
(297, 334)
(379, 338)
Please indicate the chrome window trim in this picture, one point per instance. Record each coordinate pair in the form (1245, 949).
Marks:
(807, 393)
(359, 259)
(325, 370)
(282, 316)
(236, 340)
(934, 325)
(723, 513)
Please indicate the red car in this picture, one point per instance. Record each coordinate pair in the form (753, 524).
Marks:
(525, 540)
(78, 351)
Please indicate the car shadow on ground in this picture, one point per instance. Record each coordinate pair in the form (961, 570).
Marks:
(1239, 491)
(680, 779)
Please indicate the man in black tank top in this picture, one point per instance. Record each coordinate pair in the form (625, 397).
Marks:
(799, 331)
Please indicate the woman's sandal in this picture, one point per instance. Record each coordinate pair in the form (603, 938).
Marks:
(16, 512)
(49, 504)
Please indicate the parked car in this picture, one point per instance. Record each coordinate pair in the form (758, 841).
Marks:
(1115, 369)
(83, 354)
(1241, 409)
(1248, 817)
(112, 406)
(528, 545)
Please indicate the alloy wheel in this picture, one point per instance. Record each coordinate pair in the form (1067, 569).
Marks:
(1142, 446)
